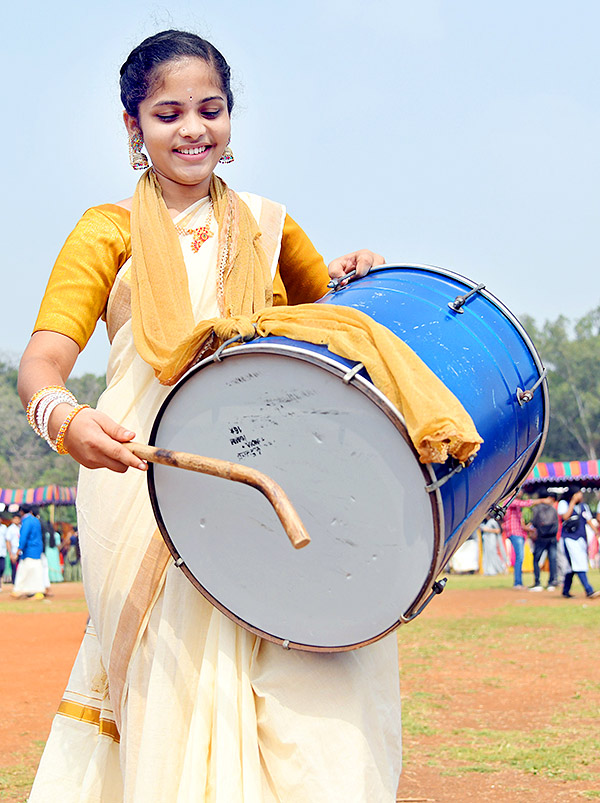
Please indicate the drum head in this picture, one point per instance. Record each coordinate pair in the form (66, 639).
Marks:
(340, 453)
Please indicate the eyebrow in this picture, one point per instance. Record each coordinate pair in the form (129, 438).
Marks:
(181, 103)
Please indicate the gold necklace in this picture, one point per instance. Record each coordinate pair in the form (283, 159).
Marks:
(201, 234)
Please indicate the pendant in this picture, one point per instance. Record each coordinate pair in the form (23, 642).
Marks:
(199, 237)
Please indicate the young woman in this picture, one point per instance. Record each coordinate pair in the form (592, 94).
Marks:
(169, 700)
(575, 514)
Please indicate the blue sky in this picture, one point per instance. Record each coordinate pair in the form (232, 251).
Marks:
(463, 134)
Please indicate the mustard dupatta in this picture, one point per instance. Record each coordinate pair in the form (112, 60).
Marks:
(168, 339)
(161, 310)
(437, 423)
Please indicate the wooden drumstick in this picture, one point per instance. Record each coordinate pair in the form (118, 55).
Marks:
(292, 524)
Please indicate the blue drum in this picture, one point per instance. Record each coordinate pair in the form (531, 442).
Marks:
(383, 526)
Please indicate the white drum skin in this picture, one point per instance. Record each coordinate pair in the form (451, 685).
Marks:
(346, 465)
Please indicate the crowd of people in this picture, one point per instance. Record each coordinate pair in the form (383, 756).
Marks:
(562, 535)
(34, 553)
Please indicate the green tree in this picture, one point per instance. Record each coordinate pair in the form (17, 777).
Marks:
(571, 353)
(26, 461)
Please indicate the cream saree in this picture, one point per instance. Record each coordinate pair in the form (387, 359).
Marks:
(169, 700)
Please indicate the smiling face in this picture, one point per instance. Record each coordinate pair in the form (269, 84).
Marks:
(185, 125)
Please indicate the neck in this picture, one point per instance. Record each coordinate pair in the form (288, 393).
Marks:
(178, 197)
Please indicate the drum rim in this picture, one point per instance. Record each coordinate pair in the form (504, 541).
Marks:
(536, 453)
(392, 413)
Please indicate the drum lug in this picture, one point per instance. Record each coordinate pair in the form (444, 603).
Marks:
(433, 486)
(524, 396)
(499, 511)
(179, 562)
(337, 284)
(436, 589)
(348, 377)
(459, 302)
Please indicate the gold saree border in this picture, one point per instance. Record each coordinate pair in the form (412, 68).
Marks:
(271, 222)
(134, 616)
(90, 715)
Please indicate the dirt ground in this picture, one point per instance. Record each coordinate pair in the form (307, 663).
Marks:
(39, 646)
(39, 650)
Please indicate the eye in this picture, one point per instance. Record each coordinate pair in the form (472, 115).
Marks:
(167, 118)
(211, 114)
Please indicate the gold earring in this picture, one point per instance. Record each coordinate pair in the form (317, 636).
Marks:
(227, 157)
(138, 160)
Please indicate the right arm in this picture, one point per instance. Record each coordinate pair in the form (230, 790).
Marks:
(75, 299)
(93, 439)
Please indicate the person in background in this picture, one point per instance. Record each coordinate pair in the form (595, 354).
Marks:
(574, 515)
(43, 558)
(494, 556)
(52, 543)
(71, 555)
(29, 579)
(12, 533)
(3, 549)
(515, 531)
(543, 530)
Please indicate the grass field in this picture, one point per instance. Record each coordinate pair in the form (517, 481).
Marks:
(500, 689)
(463, 712)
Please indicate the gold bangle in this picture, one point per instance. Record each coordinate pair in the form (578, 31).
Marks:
(60, 438)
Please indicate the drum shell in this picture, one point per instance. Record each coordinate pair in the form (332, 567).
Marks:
(484, 356)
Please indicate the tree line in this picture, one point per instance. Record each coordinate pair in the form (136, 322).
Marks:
(26, 461)
(569, 350)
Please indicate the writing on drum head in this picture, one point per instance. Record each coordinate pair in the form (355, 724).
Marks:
(238, 380)
(249, 448)
(290, 397)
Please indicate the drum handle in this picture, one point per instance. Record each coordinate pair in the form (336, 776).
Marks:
(282, 506)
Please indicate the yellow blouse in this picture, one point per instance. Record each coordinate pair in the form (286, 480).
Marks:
(100, 244)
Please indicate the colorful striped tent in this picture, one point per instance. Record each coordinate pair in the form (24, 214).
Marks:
(44, 495)
(576, 472)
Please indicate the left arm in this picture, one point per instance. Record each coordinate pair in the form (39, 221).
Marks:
(301, 273)
(302, 276)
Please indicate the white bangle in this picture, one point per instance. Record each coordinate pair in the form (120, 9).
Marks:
(41, 406)
(41, 411)
(39, 401)
(49, 410)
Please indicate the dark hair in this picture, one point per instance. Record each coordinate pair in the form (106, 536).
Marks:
(139, 71)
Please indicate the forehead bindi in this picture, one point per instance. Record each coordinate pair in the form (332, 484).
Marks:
(186, 81)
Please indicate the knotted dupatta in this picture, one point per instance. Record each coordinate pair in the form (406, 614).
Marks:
(167, 338)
